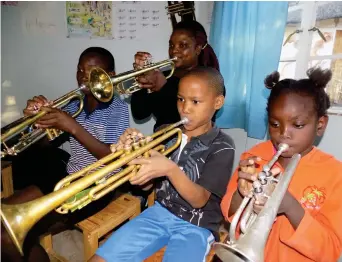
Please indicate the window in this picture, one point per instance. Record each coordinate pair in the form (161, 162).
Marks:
(313, 37)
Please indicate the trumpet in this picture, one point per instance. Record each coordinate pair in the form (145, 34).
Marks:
(99, 79)
(256, 228)
(32, 135)
(19, 219)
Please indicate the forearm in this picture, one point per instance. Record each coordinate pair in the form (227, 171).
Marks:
(191, 192)
(235, 203)
(295, 214)
(94, 146)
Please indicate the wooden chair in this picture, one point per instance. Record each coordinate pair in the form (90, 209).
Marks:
(100, 225)
(6, 179)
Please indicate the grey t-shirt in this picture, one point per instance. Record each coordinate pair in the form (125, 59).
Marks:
(208, 161)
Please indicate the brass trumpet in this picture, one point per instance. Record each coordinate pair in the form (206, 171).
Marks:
(99, 79)
(33, 134)
(19, 219)
(251, 243)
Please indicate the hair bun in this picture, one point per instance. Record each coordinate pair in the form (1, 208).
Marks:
(272, 79)
(320, 77)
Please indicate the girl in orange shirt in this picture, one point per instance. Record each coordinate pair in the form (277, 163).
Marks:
(309, 222)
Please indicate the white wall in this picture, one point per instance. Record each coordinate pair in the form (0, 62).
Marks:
(38, 58)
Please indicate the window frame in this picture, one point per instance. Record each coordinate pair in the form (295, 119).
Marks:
(302, 59)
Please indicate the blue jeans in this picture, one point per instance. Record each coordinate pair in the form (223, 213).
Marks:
(152, 230)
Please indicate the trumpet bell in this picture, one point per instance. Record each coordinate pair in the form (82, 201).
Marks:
(230, 253)
(100, 85)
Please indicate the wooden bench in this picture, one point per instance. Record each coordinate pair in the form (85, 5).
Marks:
(100, 225)
(6, 179)
(104, 222)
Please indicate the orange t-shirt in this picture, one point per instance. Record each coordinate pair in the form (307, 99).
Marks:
(317, 185)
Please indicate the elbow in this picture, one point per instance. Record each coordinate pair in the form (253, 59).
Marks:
(202, 200)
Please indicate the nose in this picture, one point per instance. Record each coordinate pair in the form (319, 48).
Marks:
(186, 109)
(285, 132)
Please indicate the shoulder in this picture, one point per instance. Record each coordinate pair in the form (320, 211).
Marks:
(117, 105)
(326, 161)
(222, 146)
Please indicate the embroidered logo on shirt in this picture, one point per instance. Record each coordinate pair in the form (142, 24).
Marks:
(313, 197)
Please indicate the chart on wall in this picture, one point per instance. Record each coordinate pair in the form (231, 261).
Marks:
(90, 19)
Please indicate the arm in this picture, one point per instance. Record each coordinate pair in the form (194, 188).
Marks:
(319, 236)
(196, 195)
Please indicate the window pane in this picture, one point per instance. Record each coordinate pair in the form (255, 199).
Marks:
(334, 88)
(290, 41)
(329, 22)
(287, 69)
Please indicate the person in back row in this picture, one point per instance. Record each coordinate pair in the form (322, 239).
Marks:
(188, 42)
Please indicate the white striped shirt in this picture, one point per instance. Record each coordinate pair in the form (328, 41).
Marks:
(106, 123)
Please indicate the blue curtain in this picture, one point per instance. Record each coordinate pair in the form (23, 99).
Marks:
(247, 38)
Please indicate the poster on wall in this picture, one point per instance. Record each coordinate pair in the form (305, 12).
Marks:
(89, 19)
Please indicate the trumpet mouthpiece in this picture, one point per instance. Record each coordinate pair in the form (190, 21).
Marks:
(184, 121)
(283, 147)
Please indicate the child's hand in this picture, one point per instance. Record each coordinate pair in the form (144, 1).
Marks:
(247, 174)
(34, 104)
(127, 139)
(155, 166)
(56, 118)
(284, 207)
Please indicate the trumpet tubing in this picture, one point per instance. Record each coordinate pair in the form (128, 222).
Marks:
(19, 219)
(99, 79)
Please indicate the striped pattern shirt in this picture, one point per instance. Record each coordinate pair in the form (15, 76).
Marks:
(106, 123)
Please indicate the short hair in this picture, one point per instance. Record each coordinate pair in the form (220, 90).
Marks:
(103, 54)
(212, 76)
(313, 86)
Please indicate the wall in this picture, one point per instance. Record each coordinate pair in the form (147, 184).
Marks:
(38, 58)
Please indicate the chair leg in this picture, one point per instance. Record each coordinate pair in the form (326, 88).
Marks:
(91, 243)
(46, 242)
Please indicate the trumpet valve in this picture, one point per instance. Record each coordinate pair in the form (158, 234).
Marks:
(136, 146)
(257, 187)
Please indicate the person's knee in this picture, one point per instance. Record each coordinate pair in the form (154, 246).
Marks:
(96, 258)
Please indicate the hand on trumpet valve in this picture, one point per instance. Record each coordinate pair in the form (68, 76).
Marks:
(130, 137)
(58, 119)
(33, 105)
(156, 165)
(153, 80)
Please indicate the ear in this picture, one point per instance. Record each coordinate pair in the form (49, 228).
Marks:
(321, 125)
(219, 101)
(198, 49)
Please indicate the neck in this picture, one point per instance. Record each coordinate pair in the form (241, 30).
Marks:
(198, 131)
(91, 104)
(180, 72)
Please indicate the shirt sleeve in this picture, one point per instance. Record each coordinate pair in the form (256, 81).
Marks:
(118, 122)
(319, 237)
(217, 171)
(141, 104)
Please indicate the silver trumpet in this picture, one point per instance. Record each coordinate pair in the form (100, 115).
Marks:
(256, 228)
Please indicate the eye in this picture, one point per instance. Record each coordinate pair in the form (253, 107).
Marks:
(299, 126)
(180, 99)
(274, 124)
(195, 102)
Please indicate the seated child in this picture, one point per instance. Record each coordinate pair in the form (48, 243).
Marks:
(189, 187)
(308, 225)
